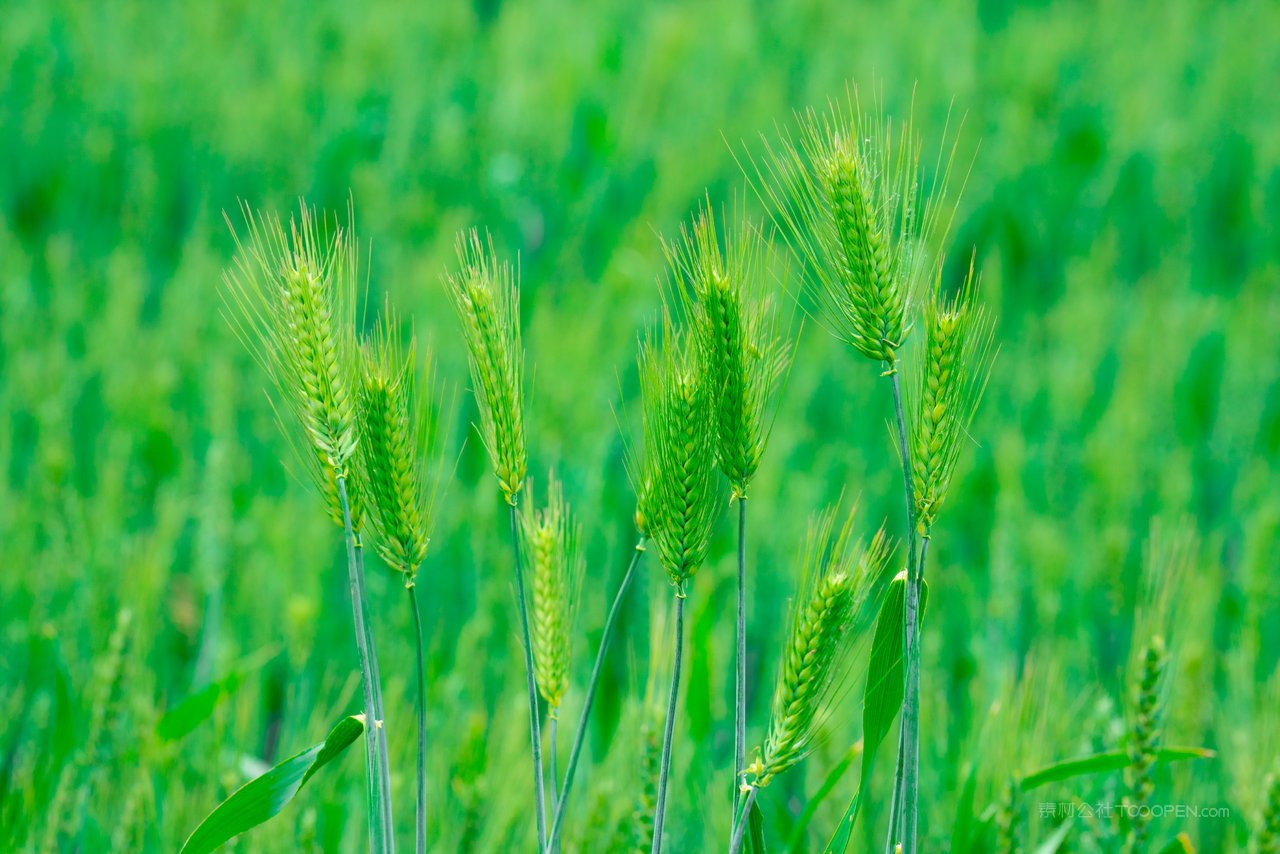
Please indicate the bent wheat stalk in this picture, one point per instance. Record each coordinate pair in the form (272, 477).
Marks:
(589, 699)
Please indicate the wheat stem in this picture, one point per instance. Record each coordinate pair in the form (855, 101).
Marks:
(580, 736)
(740, 676)
(380, 828)
(743, 819)
(379, 710)
(660, 811)
(908, 769)
(421, 829)
(535, 731)
(551, 756)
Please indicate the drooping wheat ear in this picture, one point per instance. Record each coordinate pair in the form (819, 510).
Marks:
(1269, 832)
(949, 384)
(679, 452)
(292, 299)
(399, 449)
(847, 190)
(1144, 738)
(551, 539)
(738, 333)
(486, 294)
(838, 574)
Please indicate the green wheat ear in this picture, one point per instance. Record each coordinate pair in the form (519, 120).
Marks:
(847, 191)
(551, 542)
(838, 574)
(291, 294)
(948, 387)
(676, 480)
(1144, 737)
(400, 450)
(486, 295)
(738, 333)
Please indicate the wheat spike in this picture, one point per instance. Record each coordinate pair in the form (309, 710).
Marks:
(1144, 739)
(738, 332)
(837, 577)
(948, 387)
(486, 295)
(551, 539)
(292, 299)
(678, 472)
(400, 446)
(847, 191)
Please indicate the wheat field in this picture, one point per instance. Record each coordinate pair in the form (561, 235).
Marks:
(527, 296)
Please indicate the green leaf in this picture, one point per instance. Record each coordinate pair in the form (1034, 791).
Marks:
(264, 797)
(1055, 840)
(883, 697)
(796, 841)
(198, 706)
(755, 828)
(963, 830)
(1100, 763)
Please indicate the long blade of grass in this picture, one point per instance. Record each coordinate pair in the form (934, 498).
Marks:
(1101, 763)
(264, 797)
(1055, 840)
(755, 828)
(198, 706)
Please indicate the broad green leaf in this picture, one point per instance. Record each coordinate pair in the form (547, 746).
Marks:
(883, 697)
(797, 840)
(264, 797)
(1100, 763)
(198, 706)
(755, 828)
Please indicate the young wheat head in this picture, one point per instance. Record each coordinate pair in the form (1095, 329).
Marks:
(837, 575)
(676, 480)
(486, 295)
(948, 387)
(738, 333)
(291, 294)
(400, 447)
(1144, 736)
(847, 190)
(551, 541)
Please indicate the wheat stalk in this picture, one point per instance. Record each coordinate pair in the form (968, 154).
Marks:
(402, 465)
(292, 300)
(740, 340)
(676, 482)
(551, 541)
(486, 295)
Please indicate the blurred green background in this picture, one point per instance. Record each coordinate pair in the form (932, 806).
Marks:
(1126, 175)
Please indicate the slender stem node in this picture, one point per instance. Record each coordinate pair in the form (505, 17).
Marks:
(660, 811)
(580, 736)
(535, 731)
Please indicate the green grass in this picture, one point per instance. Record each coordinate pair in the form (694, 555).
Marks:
(1122, 202)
